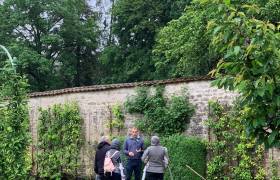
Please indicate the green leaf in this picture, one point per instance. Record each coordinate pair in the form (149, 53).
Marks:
(217, 29)
(237, 50)
(272, 136)
(261, 91)
(227, 2)
(278, 100)
(259, 122)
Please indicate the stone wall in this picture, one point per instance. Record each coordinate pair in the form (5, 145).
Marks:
(95, 104)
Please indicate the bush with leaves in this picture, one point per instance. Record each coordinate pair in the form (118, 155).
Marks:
(160, 115)
(232, 154)
(14, 136)
(249, 64)
(182, 46)
(59, 141)
(184, 151)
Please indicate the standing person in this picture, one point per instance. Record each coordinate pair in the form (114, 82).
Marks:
(115, 156)
(156, 159)
(101, 151)
(133, 149)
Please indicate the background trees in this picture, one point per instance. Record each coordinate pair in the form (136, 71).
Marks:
(128, 56)
(56, 41)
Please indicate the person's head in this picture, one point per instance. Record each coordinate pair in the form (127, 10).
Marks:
(104, 139)
(116, 144)
(155, 140)
(134, 132)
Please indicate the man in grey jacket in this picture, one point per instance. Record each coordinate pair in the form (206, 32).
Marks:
(156, 159)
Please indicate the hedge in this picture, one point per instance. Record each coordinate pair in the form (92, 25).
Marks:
(185, 151)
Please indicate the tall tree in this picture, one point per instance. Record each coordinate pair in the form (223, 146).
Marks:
(134, 27)
(182, 47)
(56, 41)
(250, 64)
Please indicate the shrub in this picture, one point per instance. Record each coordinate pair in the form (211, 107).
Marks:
(160, 115)
(14, 135)
(185, 151)
(59, 141)
(232, 154)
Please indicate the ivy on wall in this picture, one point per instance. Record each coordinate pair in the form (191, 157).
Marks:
(116, 120)
(59, 141)
(232, 154)
(14, 137)
(274, 166)
(160, 115)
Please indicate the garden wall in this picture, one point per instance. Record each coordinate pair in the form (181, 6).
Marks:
(95, 103)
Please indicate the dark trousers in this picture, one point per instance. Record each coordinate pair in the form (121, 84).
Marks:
(102, 177)
(113, 176)
(133, 165)
(154, 176)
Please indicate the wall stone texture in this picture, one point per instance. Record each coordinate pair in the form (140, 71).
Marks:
(95, 109)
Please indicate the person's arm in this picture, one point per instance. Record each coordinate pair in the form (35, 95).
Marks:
(144, 157)
(142, 146)
(125, 149)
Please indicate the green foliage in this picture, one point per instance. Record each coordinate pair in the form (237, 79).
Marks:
(185, 151)
(271, 11)
(117, 119)
(182, 47)
(134, 27)
(14, 137)
(249, 48)
(274, 166)
(58, 38)
(59, 141)
(232, 154)
(160, 115)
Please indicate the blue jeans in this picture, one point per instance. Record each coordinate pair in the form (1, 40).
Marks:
(133, 165)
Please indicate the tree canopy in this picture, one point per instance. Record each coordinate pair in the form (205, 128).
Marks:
(134, 27)
(249, 64)
(55, 41)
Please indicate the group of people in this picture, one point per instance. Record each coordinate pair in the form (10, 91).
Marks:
(155, 158)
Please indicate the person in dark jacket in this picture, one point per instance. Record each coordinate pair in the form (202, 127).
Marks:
(156, 159)
(101, 151)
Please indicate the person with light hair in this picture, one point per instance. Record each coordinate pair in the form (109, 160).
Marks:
(102, 148)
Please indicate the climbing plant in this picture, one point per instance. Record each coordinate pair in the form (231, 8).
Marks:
(274, 166)
(232, 154)
(159, 114)
(14, 136)
(59, 141)
(116, 119)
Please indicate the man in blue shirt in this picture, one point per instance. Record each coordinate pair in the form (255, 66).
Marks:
(133, 149)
